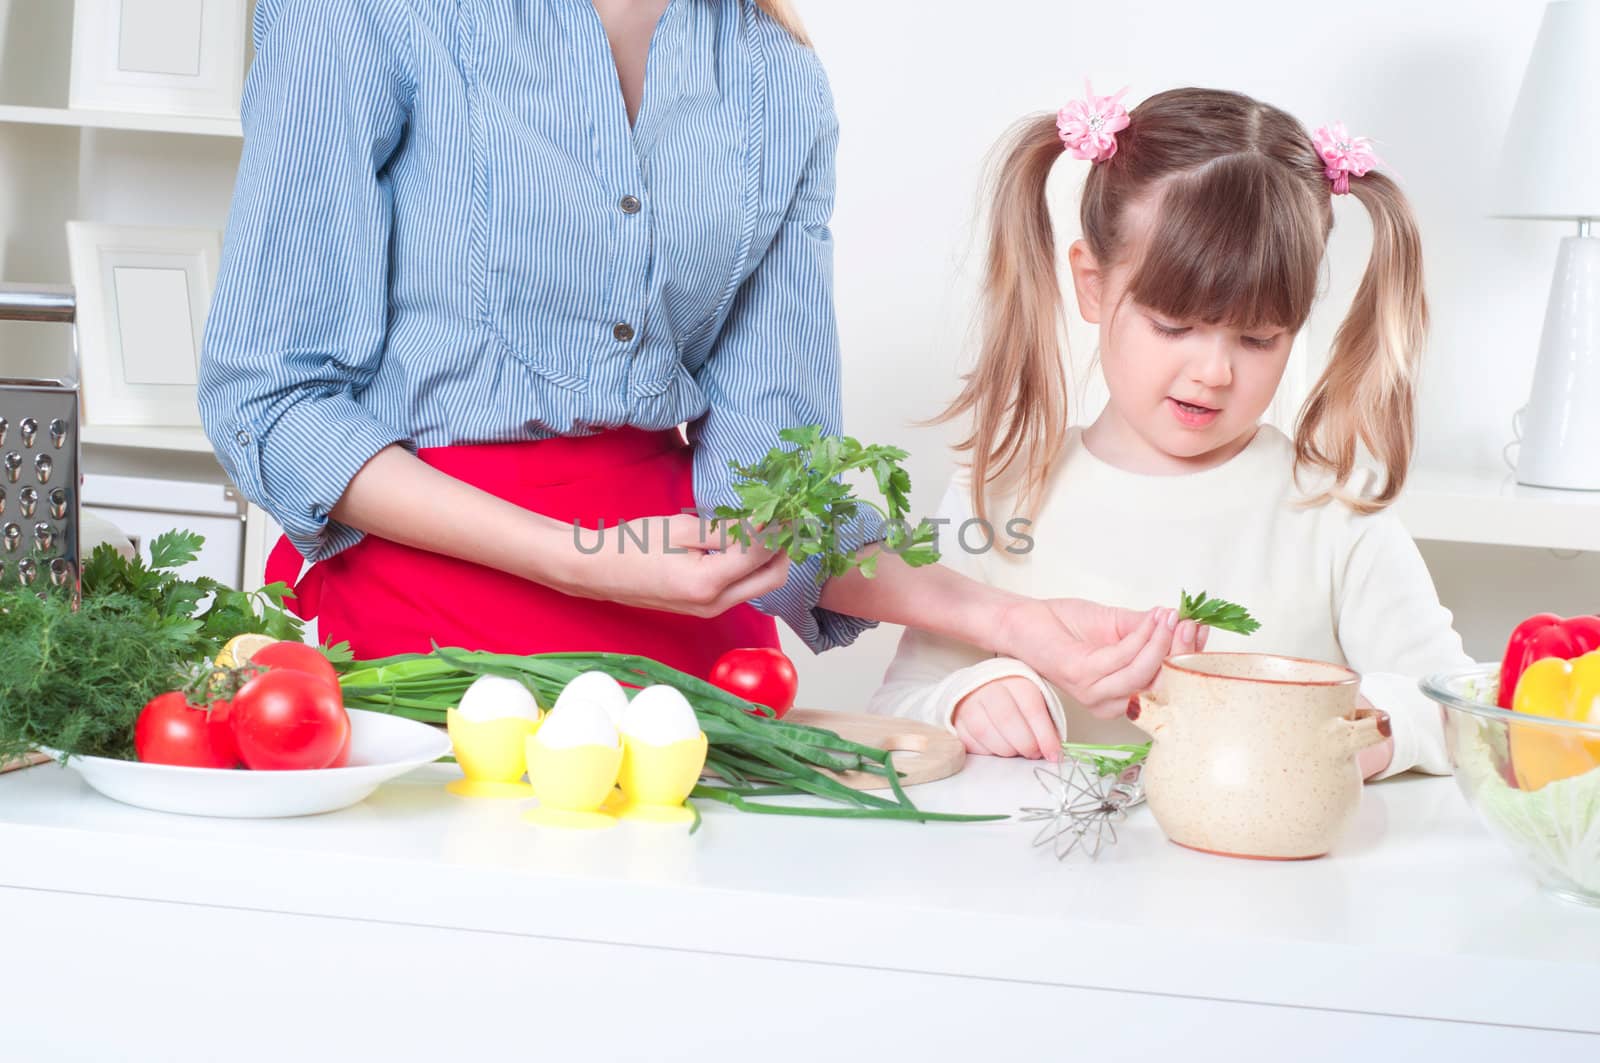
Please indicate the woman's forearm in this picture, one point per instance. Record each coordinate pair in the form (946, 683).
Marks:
(1096, 654)
(398, 497)
(673, 567)
(934, 598)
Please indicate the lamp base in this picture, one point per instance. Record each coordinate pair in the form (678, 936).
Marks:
(1560, 447)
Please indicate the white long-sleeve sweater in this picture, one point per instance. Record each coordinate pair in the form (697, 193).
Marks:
(1325, 582)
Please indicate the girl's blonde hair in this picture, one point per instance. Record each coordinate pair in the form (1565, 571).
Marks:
(1242, 216)
(781, 13)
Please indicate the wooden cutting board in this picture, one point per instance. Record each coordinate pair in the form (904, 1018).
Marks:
(27, 760)
(923, 753)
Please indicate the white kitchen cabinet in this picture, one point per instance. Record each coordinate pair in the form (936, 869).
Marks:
(144, 508)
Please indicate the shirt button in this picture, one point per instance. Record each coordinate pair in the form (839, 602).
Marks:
(622, 331)
(243, 439)
(629, 204)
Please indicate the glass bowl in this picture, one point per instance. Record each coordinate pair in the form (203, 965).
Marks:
(1534, 782)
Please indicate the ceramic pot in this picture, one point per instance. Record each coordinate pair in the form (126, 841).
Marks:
(1253, 754)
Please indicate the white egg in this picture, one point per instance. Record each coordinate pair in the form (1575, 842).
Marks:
(600, 689)
(493, 697)
(576, 722)
(659, 716)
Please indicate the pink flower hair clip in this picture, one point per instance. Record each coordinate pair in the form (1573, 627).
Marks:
(1343, 156)
(1089, 126)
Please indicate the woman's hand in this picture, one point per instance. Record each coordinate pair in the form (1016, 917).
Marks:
(1007, 718)
(675, 570)
(1098, 655)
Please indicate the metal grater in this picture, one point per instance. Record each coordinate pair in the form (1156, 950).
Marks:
(39, 457)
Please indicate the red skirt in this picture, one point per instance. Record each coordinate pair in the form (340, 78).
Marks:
(384, 598)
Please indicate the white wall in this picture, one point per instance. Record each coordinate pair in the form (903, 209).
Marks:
(925, 88)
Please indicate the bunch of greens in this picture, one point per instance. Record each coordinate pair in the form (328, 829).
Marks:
(172, 602)
(756, 757)
(795, 496)
(1214, 612)
(74, 680)
(74, 676)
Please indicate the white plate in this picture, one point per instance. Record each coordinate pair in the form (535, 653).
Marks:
(381, 748)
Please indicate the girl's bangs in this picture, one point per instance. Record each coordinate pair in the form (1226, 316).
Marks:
(1237, 242)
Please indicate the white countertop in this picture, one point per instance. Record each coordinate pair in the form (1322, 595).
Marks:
(1417, 913)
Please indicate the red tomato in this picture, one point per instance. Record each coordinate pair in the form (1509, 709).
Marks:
(299, 657)
(171, 731)
(287, 720)
(343, 759)
(296, 656)
(762, 675)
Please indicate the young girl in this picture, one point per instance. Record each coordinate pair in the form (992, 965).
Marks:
(1205, 217)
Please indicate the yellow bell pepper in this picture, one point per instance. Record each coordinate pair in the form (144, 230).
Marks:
(1559, 690)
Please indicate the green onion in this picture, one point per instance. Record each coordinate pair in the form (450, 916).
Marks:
(755, 756)
(1107, 760)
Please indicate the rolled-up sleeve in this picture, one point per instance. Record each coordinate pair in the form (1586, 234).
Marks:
(775, 365)
(297, 325)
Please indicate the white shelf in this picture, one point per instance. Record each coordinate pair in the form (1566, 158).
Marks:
(1494, 509)
(136, 437)
(130, 120)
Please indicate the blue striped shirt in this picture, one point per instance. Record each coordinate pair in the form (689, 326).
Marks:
(445, 231)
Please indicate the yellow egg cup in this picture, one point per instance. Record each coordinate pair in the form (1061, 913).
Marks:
(492, 755)
(573, 785)
(655, 780)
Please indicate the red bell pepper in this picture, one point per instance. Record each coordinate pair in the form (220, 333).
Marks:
(1544, 635)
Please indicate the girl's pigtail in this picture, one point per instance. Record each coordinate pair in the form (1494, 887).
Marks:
(1017, 391)
(1367, 394)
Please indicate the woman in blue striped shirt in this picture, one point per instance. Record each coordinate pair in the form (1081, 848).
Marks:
(482, 260)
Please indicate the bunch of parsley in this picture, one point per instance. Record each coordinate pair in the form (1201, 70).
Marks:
(796, 497)
(173, 603)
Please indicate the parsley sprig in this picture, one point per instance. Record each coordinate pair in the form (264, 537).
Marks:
(1216, 613)
(795, 497)
(172, 602)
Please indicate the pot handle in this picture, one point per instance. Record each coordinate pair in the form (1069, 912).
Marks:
(1365, 727)
(1147, 712)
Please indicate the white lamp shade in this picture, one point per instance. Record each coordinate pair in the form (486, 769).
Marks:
(1550, 167)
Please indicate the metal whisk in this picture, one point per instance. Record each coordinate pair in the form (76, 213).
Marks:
(1085, 806)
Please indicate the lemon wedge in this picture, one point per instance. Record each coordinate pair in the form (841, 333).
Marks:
(241, 648)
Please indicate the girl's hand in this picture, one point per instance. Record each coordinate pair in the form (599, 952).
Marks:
(676, 571)
(1007, 718)
(1373, 759)
(1098, 655)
